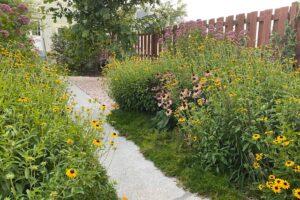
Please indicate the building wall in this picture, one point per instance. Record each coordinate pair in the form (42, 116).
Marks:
(49, 27)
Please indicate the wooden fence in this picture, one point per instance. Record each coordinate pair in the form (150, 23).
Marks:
(258, 26)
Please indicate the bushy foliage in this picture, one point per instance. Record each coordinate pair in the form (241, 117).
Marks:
(237, 107)
(79, 54)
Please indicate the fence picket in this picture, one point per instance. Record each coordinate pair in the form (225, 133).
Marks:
(240, 22)
(251, 28)
(264, 29)
(229, 24)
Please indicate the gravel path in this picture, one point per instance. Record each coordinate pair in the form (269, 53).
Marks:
(95, 87)
(136, 177)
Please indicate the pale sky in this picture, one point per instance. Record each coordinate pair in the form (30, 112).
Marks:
(207, 9)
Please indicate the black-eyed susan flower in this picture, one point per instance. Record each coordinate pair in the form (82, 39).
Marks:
(260, 187)
(232, 94)
(263, 119)
(269, 132)
(269, 184)
(255, 136)
(296, 193)
(23, 99)
(276, 188)
(70, 141)
(114, 135)
(55, 109)
(112, 143)
(256, 165)
(286, 143)
(71, 173)
(103, 107)
(259, 156)
(281, 138)
(97, 142)
(58, 81)
(297, 169)
(289, 163)
(272, 177)
(285, 185)
(181, 120)
(278, 181)
(68, 109)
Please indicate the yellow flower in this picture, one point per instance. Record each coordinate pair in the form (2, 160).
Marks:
(243, 110)
(70, 141)
(278, 181)
(68, 109)
(114, 135)
(296, 193)
(260, 187)
(181, 120)
(289, 163)
(276, 141)
(286, 143)
(124, 198)
(23, 99)
(259, 156)
(285, 185)
(97, 142)
(255, 136)
(297, 169)
(111, 143)
(272, 177)
(103, 107)
(276, 188)
(256, 165)
(269, 184)
(55, 109)
(269, 132)
(96, 124)
(263, 119)
(281, 138)
(58, 81)
(232, 94)
(199, 102)
(71, 173)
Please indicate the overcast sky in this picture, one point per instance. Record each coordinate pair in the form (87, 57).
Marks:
(206, 9)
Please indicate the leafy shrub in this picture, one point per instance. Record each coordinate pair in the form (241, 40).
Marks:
(231, 104)
(80, 54)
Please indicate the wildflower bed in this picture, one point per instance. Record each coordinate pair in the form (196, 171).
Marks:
(237, 108)
(43, 153)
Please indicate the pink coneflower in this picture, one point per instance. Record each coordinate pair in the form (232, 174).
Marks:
(23, 20)
(23, 7)
(4, 33)
(6, 8)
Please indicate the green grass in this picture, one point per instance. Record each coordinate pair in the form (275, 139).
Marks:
(168, 153)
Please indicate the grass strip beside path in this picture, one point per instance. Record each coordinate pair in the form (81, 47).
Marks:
(166, 150)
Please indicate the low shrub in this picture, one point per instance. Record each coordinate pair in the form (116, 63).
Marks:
(237, 107)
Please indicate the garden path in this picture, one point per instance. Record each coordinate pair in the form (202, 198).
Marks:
(136, 177)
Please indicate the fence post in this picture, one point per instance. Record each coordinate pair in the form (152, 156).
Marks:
(295, 23)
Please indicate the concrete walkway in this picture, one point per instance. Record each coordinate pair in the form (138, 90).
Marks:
(136, 177)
